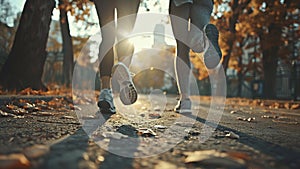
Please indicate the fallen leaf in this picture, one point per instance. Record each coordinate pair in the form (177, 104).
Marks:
(19, 117)
(286, 105)
(14, 161)
(232, 135)
(11, 107)
(29, 91)
(4, 114)
(146, 132)
(74, 107)
(160, 127)
(214, 159)
(295, 106)
(239, 155)
(115, 135)
(28, 106)
(35, 151)
(154, 115)
(165, 165)
(197, 156)
(45, 113)
(67, 117)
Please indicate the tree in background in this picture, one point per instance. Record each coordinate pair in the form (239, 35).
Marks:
(81, 10)
(226, 16)
(268, 20)
(259, 24)
(25, 62)
(7, 31)
(68, 62)
(7, 14)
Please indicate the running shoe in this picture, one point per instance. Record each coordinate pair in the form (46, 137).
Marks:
(212, 53)
(122, 77)
(184, 106)
(105, 101)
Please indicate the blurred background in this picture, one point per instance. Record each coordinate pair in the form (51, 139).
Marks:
(259, 41)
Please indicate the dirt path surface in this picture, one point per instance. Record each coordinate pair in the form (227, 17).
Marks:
(56, 134)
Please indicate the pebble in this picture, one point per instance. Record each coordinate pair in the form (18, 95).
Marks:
(217, 142)
(184, 124)
(100, 158)
(271, 117)
(232, 112)
(192, 132)
(250, 119)
(154, 115)
(157, 108)
(160, 127)
(11, 139)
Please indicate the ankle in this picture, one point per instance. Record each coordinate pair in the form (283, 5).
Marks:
(105, 82)
(185, 97)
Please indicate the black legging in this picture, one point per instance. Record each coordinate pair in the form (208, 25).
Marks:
(199, 13)
(106, 10)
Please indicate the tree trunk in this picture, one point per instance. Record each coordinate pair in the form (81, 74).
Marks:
(232, 22)
(237, 8)
(24, 66)
(270, 59)
(67, 47)
(270, 65)
(240, 78)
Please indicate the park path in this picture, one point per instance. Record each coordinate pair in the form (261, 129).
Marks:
(250, 134)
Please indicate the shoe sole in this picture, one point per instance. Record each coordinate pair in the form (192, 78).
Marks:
(104, 107)
(184, 107)
(184, 111)
(211, 62)
(128, 93)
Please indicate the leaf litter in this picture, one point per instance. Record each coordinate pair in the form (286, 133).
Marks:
(216, 158)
